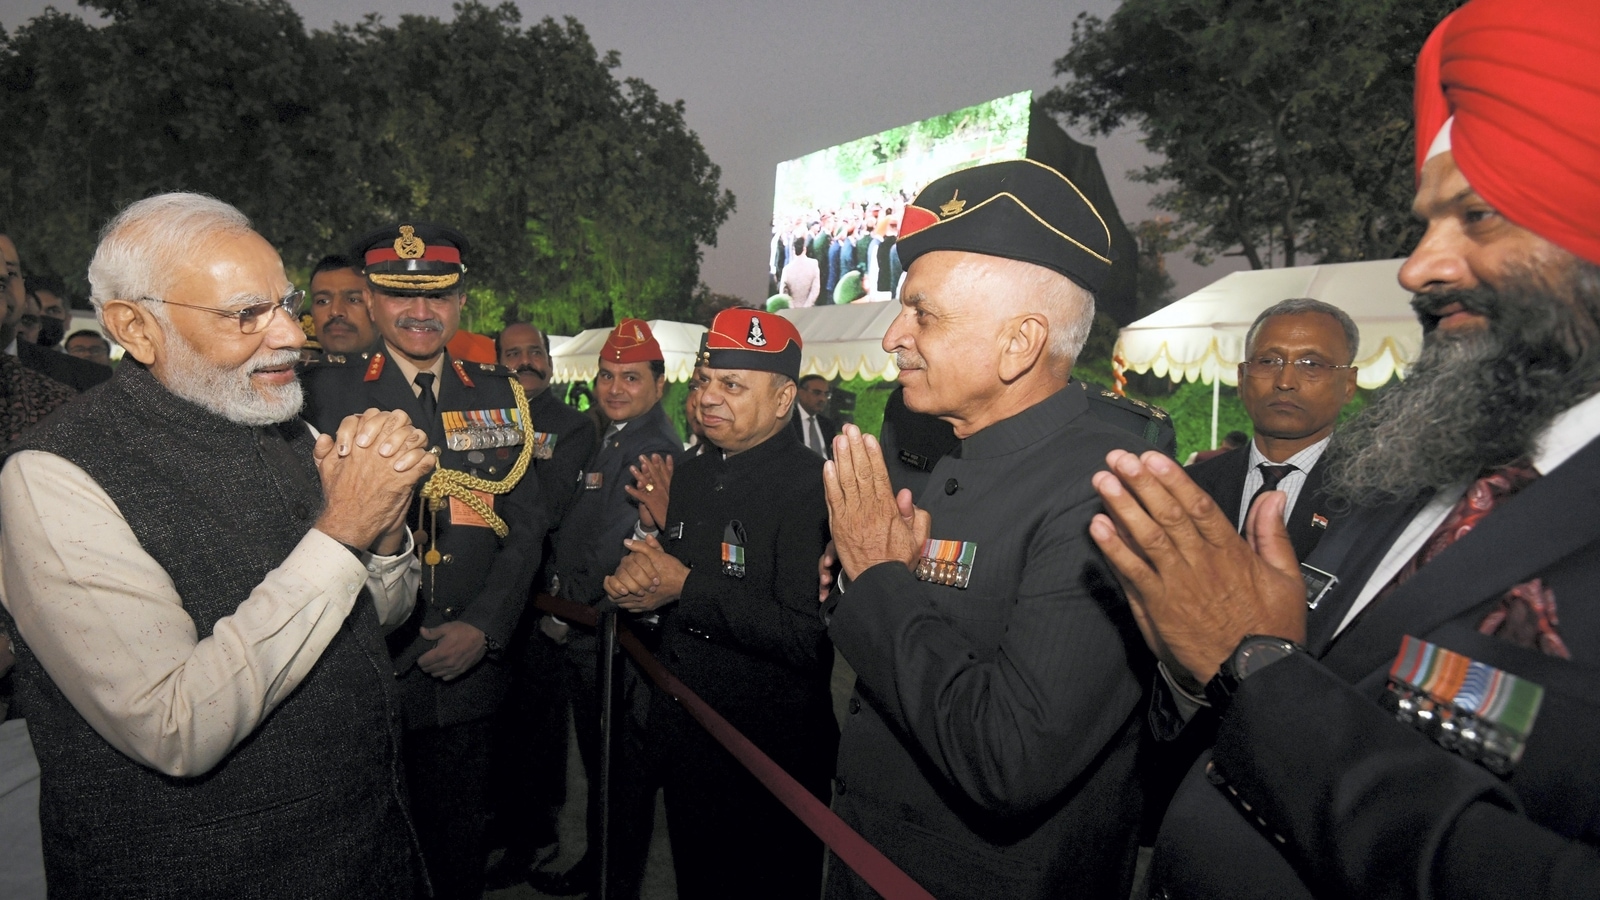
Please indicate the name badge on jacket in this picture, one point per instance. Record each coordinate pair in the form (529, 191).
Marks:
(593, 481)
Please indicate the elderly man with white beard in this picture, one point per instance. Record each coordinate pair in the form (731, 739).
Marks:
(198, 585)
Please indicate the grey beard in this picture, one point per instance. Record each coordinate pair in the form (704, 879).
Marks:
(228, 392)
(1474, 401)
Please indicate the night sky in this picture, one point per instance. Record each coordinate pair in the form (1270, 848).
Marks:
(764, 82)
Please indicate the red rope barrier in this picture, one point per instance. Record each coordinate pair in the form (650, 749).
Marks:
(866, 860)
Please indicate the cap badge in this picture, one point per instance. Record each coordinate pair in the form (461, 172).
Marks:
(408, 245)
(637, 334)
(954, 206)
(756, 338)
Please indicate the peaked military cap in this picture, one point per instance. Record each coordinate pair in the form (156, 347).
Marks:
(1018, 209)
(413, 258)
(742, 338)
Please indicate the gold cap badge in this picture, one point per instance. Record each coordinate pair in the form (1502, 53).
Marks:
(408, 245)
(954, 206)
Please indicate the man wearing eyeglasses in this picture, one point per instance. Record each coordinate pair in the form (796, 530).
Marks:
(197, 586)
(1296, 377)
(811, 422)
(480, 524)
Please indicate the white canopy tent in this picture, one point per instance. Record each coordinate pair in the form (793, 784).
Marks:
(845, 341)
(1201, 337)
(578, 357)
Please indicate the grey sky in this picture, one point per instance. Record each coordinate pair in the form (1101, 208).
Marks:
(764, 82)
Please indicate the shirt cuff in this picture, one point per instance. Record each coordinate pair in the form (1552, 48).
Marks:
(1188, 704)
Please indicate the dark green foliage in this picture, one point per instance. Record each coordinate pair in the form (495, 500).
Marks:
(585, 197)
(1284, 125)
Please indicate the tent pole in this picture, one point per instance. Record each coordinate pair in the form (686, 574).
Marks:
(1216, 400)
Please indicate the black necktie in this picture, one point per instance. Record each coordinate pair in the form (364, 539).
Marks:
(1270, 476)
(430, 404)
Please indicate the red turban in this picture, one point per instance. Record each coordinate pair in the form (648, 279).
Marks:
(1522, 79)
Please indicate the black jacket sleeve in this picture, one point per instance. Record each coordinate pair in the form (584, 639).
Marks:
(1367, 807)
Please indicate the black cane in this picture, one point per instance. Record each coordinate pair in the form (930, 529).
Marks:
(607, 663)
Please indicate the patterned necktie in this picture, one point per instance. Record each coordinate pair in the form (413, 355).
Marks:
(1526, 614)
(1271, 475)
(430, 404)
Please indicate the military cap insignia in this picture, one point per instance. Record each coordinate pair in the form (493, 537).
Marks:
(755, 338)
(954, 206)
(408, 245)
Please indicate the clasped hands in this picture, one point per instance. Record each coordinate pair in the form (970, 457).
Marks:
(871, 524)
(1195, 586)
(369, 469)
(649, 577)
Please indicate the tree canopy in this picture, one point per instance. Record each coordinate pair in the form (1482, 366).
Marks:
(1284, 126)
(586, 197)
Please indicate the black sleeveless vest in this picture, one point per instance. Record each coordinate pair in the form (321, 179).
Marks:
(309, 805)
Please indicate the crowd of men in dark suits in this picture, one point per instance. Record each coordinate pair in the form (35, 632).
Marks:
(273, 620)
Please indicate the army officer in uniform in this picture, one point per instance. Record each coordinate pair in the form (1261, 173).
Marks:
(990, 746)
(736, 590)
(479, 520)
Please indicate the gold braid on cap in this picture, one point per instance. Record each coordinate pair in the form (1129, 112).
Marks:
(414, 282)
(455, 483)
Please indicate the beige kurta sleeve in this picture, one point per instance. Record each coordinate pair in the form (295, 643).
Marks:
(107, 624)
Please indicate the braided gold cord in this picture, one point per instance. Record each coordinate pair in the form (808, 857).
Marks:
(455, 483)
(414, 282)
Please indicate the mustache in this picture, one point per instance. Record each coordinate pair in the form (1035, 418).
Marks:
(338, 323)
(275, 359)
(905, 359)
(423, 324)
(1482, 300)
(533, 369)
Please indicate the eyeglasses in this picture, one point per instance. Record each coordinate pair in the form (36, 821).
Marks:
(253, 318)
(1310, 370)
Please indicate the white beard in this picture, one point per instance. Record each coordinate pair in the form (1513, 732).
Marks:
(230, 392)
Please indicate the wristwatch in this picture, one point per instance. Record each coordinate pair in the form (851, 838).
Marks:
(1254, 653)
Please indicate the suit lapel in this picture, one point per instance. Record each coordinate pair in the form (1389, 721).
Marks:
(1352, 549)
(1230, 487)
(1302, 532)
(1549, 520)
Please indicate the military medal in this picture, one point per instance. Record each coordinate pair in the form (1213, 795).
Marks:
(1470, 708)
(479, 429)
(733, 541)
(947, 562)
(544, 444)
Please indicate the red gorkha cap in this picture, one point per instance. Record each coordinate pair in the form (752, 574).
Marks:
(631, 342)
(1519, 82)
(743, 338)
